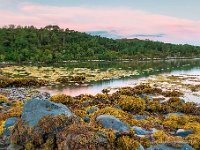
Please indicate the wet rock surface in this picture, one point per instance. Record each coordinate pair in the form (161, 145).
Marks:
(112, 122)
(183, 133)
(140, 131)
(35, 109)
(9, 122)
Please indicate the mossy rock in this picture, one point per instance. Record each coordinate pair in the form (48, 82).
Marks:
(84, 137)
(21, 82)
(193, 140)
(41, 121)
(132, 104)
(174, 121)
(154, 106)
(122, 115)
(127, 143)
(13, 112)
(62, 98)
(174, 104)
(172, 93)
(111, 122)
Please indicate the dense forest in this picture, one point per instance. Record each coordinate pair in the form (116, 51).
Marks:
(53, 44)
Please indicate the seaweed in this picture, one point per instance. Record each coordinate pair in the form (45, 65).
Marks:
(132, 104)
(127, 143)
(3, 99)
(62, 98)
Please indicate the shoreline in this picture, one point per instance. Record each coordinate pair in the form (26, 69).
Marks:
(117, 60)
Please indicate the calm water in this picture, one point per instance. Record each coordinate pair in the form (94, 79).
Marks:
(171, 67)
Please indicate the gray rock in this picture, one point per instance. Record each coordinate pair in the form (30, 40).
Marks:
(141, 117)
(153, 130)
(166, 147)
(140, 131)
(108, 122)
(86, 119)
(9, 122)
(15, 147)
(141, 147)
(37, 108)
(32, 112)
(3, 104)
(184, 133)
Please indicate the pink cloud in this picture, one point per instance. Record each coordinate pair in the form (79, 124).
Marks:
(123, 20)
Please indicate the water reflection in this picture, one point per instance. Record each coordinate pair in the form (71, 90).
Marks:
(170, 67)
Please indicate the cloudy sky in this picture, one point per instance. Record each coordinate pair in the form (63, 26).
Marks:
(175, 21)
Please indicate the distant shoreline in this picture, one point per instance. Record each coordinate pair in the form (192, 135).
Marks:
(117, 60)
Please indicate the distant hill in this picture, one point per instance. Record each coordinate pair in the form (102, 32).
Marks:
(53, 44)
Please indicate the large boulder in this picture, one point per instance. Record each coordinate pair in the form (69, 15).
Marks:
(41, 121)
(35, 109)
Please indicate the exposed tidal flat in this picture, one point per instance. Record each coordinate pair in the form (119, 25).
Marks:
(153, 108)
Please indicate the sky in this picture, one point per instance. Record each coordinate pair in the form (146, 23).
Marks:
(171, 21)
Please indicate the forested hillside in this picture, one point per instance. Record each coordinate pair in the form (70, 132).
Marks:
(52, 44)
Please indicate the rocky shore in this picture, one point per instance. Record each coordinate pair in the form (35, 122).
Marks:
(145, 116)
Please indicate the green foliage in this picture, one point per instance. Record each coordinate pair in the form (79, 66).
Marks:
(25, 44)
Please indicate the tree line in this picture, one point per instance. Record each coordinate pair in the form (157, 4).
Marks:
(53, 44)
